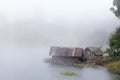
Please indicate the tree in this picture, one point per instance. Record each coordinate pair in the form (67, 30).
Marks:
(114, 41)
(116, 7)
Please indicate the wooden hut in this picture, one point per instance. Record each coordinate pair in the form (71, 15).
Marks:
(67, 55)
(93, 52)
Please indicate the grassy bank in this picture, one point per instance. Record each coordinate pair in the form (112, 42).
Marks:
(112, 64)
(116, 76)
(114, 67)
(107, 60)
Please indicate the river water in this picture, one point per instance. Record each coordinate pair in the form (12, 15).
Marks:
(27, 63)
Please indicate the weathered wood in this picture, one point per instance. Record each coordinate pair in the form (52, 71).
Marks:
(64, 51)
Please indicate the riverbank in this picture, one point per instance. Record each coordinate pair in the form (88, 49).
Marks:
(114, 67)
(112, 64)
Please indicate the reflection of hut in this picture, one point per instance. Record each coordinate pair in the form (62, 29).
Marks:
(66, 55)
(93, 52)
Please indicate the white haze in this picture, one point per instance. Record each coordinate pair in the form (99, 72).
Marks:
(72, 23)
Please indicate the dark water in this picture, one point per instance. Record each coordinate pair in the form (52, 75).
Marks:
(27, 63)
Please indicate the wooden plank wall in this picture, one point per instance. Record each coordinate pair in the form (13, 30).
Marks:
(58, 51)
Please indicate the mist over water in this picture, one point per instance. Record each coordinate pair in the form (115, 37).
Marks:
(28, 28)
(27, 63)
(21, 63)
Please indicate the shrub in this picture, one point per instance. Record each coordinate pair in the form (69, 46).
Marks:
(114, 67)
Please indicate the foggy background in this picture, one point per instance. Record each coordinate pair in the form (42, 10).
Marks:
(71, 23)
(28, 28)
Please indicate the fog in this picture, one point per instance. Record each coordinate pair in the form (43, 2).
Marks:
(28, 28)
(71, 23)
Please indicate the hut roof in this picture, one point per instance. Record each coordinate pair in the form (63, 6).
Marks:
(95, 50)
(65, 51)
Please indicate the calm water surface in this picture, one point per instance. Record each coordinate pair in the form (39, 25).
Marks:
(27, 63)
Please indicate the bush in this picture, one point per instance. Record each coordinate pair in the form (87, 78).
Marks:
(68, 73)
(114, 67)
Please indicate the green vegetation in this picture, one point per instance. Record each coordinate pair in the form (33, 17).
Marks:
(109, 59)
(116, 76)
(114, 67)
(106, 58)
(113, 62)
(116, 11)
(115, 39)
(68, 73)
(114, 43)
(79, 65)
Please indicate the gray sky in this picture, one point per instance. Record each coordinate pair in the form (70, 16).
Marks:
(79, 23)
